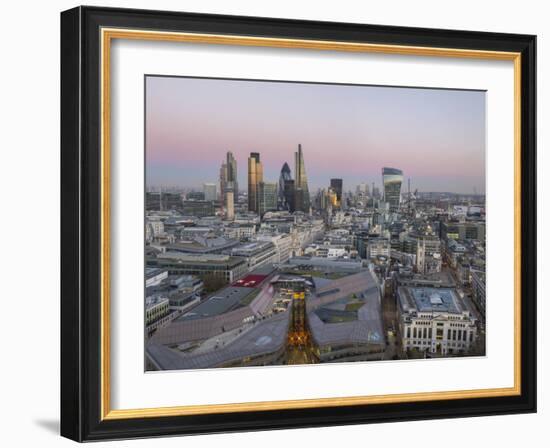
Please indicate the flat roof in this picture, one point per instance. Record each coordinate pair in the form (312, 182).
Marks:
(153, 301)
(442, 278)
(220, 302)
(152, 272)
(183, 259)
(327, 263)
(430, 300)
(252, 248)
(200, 244)
(250, 281)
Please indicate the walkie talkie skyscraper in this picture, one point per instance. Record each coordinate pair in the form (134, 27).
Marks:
(392, 179)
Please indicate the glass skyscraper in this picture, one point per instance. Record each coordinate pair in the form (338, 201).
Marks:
(392, 179)
(267, 197)
(337, 186)
(284, 177)
(302, 201)
(255, 176)
(229, 187)
(231, 167)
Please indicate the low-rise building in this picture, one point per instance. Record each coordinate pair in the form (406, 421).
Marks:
(187, 283)
(256, 253)
(198, 208)
(162, 201)
(336, 265)
(157, 314)
(282, 243)
(327, 251)
(153, 229)
(378, 247)
(466, 230)
(207, 244)
(239, 231)
(155, 276)
(435, 320)
(155, 309)
(226, 267)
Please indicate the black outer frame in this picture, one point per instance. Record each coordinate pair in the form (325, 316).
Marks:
(80, 224)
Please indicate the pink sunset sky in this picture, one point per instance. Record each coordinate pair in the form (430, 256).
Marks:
(437, 137)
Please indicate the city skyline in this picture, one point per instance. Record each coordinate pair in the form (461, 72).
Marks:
(272, 256)
(213, 129)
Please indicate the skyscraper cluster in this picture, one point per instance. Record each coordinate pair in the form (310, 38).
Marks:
(263, 196)
(288, 193)
(293, 194)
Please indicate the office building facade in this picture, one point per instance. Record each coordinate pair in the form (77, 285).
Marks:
(392, 179)
(337, 186)
(231, 178)
(302, 200)
(210, 191)
(255, 177)
(435, 320)
(284, 176)
(267, 197)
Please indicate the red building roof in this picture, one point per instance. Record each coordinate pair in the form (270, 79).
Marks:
(250, 281)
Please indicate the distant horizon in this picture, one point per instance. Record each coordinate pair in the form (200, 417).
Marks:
(199, 188)
(436, 137)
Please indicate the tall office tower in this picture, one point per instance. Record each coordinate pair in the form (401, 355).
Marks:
(392, 178)
(302, 190)
(229, 205)
(267, 197)
(231, 177)
(210, 191)
(299, 198)
(326, 199)
(336, 185)
(289, 192)
(283, 177)
(255, 176)
(319, 199)
(409, 195)
(223, 181)
(333, 200)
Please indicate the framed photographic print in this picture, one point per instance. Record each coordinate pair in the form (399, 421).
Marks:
(273, 223)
